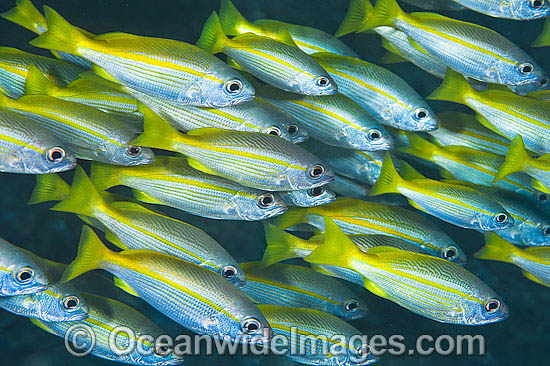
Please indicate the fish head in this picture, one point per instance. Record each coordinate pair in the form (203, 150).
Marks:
(21, 277)
(529, 9)
(233, 273)
(128, 155)
(223, 87)
(416, 117)
(296, 132)
(253, 205)
(370, 139)
(279, 130)
(352, 308)
(523, 77)
(314, 84)
(44, 160)
(359, 352)
(60, 303)
(155, 353)
(484, 309)
(499, 219)
(307, 173)
(246, 324)
(453, 253)
(310, 197)
(535, 235)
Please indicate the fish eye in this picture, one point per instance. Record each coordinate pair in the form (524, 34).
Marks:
(273, 130)
(351, 305)
(450, 252)
(162, 350)
(492, 305)
(501, 218)
(420, 113)
(133, 151)
(234, 86)
(374, 134)
(251, 325)
(55, 155)
(71, 302)
(322, 81)
(316, 171)
(543, 82)
(525, 68)
(543, 197)
(292, 129)
(536, 4)
(266, 200)
(363, 351)
(546, 230)
(24, 275)
(316, 192)
(229, 271)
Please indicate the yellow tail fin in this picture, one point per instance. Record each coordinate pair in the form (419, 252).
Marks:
(496, 249)
(384, 14)
(61, 35)
(453, 89)
(388, 181)
(91, 255)
(232, 21)
(157, 133)
(358, 13)
(294, 216)
(516, 159)
(280, 245)
(212, 38)
(105, 176)
(49, 187)
(390, 58)
(419, 147)
(26, 15)
(544, 38)
(38, 84)
(407, 171)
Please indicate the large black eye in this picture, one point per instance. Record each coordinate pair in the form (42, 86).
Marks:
(420, 114)
(133, 151)
(363, 351)
(55, 155)
(526, 68)
(162, 350)
(24, 275)
(251, 325)
(536, 4)
(316, 192)
(316, 171)
(292, 129)
(266, 200)
(374, 134)
(543, 82)
(273, 131)
(234, 86)
(543, 197)
(546, 230)
(450, 252)
(229, 272)
(492, 305)
(322, 81)
(71, 302)
(501, 218)
(351, 305)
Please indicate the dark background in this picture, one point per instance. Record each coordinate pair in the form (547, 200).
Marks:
(522, 339)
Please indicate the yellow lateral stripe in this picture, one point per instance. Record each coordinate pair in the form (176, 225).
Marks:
(266, 281)
(261, 53)
(309, 45)
(19, 143)
(326, 111)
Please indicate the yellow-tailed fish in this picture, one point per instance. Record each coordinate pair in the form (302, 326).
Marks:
(475, 51)
(301, 287)
(292, 125)
(162, 68)
(330, 340)
(14, 66)
(87, 132)
(333, 119)
(106, 316)
(355, 216)
(459, 205)
(347, 187)
(131, 226)
(252, 159)
(379, 91)
(462, 129)
(534, 262)
(26, 15)
(502, 112)
(49, 187)
(473, 166)
(309, 197)
(431, 287)
(172, 182)
(190, 295)
(543, 40)
(514, 9)
(518, 160)
(364, 166)
(277, 63)
(531, 224)
(309, 40)
(28, 148)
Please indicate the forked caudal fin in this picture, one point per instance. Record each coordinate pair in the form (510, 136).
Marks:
(516, 159)
(26, 15)
(358, 13)
(213, 38)
(49, 187)
(453, 88)
(280, 245)
(496, 249)
(232, 21)
(388, 181)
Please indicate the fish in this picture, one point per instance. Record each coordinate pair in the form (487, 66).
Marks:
(355, 216)
(515, 9)
(347, 187)
(132, 226)
(26, 15)
(107, 315)
(301, 287)
(277, 63)
(473, 166)
(533, 262)
(380, 92)
(472, 50)
(190, 295)
(531, 224)
(363, 166)
(19, 273)
(463, 129)
(540, 95)
(14, 67)
(57, 303)
(27, 148)
(543, 40)
(143, 63)
(170, 181)
(297, 132)
(49, 187)
(308, 39)
(331, 340)
(255, 160)
(308, 198)
(458, 205)
(518, 160)
(502, 112)
(430, 287)
(335, 120)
